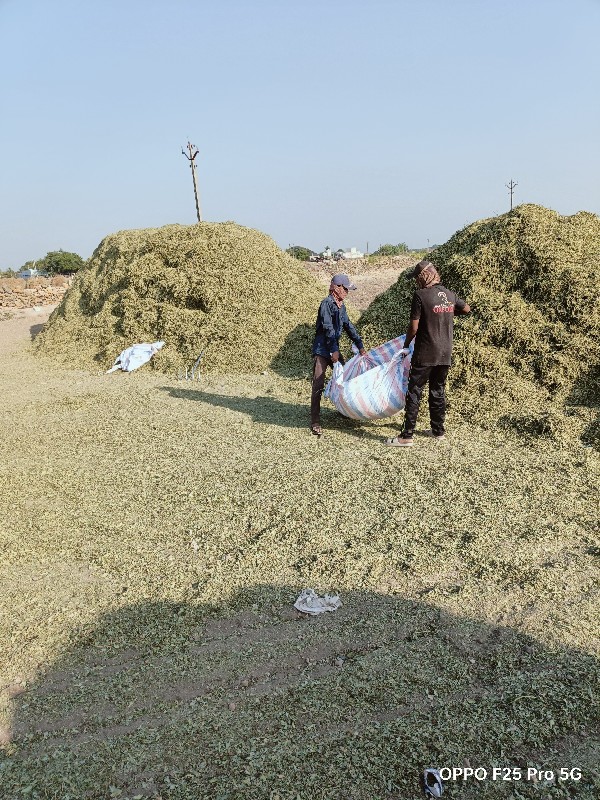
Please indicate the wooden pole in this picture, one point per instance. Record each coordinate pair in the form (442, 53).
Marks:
(191, 158)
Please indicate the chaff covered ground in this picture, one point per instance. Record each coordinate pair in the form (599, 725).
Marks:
(155, 534)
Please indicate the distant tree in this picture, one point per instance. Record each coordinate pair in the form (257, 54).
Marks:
(301, 253)
(391, 250)
(61, 262)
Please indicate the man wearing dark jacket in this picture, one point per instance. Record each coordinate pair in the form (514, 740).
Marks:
(331, 320)
(431, 326)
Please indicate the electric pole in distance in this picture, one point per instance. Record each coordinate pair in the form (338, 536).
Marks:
(511, 187)
(190, 158)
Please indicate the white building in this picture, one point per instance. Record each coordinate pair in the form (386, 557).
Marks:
(328, 255)
(352, 253)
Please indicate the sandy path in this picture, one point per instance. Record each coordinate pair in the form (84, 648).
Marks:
(368, 284)
(22, 325)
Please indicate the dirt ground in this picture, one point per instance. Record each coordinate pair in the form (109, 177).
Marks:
(371, 279)
(20, 325)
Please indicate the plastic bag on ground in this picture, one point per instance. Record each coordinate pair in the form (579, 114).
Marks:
(372, 386)
(134, 356)
(309, 602)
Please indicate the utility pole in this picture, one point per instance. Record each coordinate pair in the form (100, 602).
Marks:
(191, 158)
(511, 187)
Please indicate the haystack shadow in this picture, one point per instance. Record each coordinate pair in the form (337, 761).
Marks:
(586, 392)
(294, 359)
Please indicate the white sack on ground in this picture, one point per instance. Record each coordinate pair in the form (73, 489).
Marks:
(309, 602)
(134, 356)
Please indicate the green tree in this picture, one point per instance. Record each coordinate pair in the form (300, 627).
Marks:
(391, 250)
(301, 253)
(61, 262)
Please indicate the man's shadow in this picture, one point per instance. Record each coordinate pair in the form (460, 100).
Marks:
(272, 411)
(35, 329)
(254, 700)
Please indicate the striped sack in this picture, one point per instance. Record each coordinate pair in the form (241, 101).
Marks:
(372, 386)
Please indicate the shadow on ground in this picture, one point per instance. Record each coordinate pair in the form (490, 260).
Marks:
(35, 329)
(184, 700)
(272, 411)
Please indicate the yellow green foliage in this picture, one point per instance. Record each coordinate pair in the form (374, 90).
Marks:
(214, 287)
(532, 343)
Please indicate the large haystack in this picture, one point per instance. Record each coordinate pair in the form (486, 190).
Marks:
(532, 344)
(214, 287)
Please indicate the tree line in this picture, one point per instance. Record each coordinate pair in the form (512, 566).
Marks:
(56, 262)
(304, 253)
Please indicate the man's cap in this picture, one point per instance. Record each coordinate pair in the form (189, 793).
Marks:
(342, 280)
(418, 269)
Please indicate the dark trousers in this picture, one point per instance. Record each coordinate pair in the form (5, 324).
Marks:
(318, 384)
(417, 379)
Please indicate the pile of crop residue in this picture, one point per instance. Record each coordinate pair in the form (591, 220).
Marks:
(214, 288)
(531, 347)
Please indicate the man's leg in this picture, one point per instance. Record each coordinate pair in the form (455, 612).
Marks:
(416, 381)
(437, 399)
(318, 384)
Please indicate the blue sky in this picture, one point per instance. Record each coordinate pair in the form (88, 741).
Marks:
(320, 122)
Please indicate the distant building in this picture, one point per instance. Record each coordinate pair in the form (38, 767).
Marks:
(31, 273)
(340, 254)
(352, 253)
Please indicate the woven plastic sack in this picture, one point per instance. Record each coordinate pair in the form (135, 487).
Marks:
(372, 386)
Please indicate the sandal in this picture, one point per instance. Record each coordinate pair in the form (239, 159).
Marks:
(432, 783)
(398, 441)
(317, 430)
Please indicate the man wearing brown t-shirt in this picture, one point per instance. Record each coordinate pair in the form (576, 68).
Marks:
(431, 326)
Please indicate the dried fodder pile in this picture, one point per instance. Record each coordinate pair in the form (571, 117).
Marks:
(216, 288)
(532, 343)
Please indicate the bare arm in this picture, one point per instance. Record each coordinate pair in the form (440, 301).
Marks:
(411, 331)
(460, 307)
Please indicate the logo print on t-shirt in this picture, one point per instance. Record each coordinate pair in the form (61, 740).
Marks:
(445, 306)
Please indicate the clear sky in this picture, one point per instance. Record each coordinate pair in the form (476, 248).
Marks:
(319, 122)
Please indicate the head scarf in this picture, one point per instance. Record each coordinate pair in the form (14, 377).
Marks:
(428, 277)
(338, 293)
